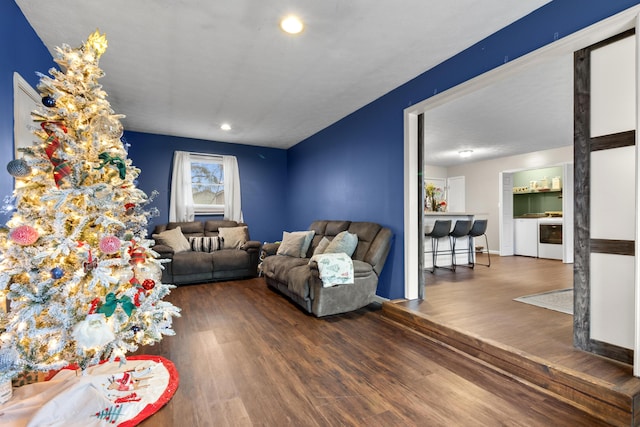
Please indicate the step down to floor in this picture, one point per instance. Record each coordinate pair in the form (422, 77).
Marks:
(592, 395)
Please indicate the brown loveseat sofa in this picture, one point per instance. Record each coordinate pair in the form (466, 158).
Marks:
(298, 278)
(234, 260)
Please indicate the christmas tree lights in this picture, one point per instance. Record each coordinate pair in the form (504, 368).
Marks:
(75, 264)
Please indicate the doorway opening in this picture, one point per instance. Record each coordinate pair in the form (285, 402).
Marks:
(479, 86)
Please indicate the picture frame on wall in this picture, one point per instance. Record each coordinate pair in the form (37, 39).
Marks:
(25, 100)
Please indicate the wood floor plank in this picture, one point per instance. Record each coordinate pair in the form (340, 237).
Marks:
(247, 356)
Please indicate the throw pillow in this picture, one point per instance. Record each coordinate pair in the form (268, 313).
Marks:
(344, 242)
(174, 239)
(205, 244)
(322, 246)
(308, 237)
(291, 244)
(233, 237)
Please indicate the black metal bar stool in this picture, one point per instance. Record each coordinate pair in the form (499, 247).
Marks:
(441, 228)
(478, 229)
(461, 229)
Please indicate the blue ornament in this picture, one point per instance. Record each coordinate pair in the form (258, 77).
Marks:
(49, 101)
(57, 273)
(135, 329)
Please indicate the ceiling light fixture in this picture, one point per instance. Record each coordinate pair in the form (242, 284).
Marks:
(225, 126)
(465, 153)
(291, 24)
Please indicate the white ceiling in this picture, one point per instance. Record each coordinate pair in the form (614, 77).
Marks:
(531, 110)
(183, 67)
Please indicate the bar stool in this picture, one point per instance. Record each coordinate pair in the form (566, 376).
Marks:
(478, 229)
(440, 229)
(461, 229)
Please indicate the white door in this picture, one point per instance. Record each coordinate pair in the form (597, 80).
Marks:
(506, 213)
(456, 194)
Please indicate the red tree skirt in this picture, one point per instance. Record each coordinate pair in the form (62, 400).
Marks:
(107, 394)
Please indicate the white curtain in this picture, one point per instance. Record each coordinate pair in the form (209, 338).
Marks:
(232, 197)
(181, 202)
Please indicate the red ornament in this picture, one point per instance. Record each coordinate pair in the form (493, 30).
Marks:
(137, 296)
(90, 264)
(138, 254)
(148, 284)
(94, 305)
(24, 235)
(129, 208)
(109, 244)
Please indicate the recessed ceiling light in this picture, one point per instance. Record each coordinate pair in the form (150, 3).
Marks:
(465, 153)
(225, 126)
(291, 24)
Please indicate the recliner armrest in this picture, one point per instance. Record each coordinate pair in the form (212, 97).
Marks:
(270, 248)
(164, 251)
(251, 245)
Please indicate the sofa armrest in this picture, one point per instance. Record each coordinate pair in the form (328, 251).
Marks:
(270, 248)
(164, 251)
(251, 245)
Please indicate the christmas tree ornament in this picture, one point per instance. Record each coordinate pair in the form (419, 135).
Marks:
(90, 264)
(129, 208)
(107, 159)
(57, 273)
(48, 101)
(93, 331)
(109, 244)
(107, 125)
(24, 235)
(138, 255)
(61, 168)
(18, 168)
(111, 303)
(138, 298)
(148, 284)
(135, 329)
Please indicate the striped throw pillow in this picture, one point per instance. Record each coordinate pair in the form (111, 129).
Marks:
(205, 244)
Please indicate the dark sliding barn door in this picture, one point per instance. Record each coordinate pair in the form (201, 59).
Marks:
(605, 197)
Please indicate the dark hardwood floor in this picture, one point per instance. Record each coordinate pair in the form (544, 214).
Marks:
(247, 356)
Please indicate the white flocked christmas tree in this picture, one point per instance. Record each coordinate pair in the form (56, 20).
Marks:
(75, 264)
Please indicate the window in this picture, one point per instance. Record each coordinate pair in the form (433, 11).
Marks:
(204, 184)
(207, 184)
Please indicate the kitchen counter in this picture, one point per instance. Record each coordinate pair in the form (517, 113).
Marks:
(454, 214)
(536, 215)
(445, 258)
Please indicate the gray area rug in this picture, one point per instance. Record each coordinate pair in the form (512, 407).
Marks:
(560, 300)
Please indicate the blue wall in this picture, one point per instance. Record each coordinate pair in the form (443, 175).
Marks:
(20, 50)
(263, 177)
(354, 168)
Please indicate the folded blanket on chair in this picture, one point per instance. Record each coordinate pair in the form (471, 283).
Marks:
(334, 268)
